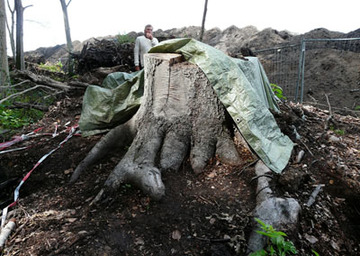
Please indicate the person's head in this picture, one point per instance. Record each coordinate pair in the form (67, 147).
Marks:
(148, 29)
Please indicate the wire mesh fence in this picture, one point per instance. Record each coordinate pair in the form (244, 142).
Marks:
(281, 65)
(316, 70)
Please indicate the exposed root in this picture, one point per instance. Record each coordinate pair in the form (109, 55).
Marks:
(120, 136)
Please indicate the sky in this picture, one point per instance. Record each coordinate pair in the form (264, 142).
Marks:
(44, 23)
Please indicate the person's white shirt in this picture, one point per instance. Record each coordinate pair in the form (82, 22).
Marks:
(142, 46)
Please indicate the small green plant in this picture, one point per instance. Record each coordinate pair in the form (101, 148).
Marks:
(127, 185)
(75, 76)
(357, 108)
(278, 91)
(277, 245)
(16, 118)
(124, 38)
(57, 67)
(315, 253)
(338, 131)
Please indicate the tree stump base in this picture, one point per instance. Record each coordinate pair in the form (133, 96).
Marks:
(180, 116)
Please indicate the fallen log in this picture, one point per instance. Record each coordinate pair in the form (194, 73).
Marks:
(42, 80)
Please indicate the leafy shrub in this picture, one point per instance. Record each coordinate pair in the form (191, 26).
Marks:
(278, 91)
(277, 245)
(124, 38)
(13, 118)
(16, 118)
(52, 68)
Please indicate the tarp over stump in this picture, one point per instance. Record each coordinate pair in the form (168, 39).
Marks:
(241, 85)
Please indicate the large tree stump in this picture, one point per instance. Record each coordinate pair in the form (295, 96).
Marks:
(180, 116)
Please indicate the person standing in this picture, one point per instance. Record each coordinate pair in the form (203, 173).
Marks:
(143, 45)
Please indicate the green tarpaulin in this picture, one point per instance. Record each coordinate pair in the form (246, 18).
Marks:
(241, 85)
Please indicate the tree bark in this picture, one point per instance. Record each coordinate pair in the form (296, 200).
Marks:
(180, 116)
(203, 21)
(68, 35)
(4, 67)
(20, 62)
(11, 29)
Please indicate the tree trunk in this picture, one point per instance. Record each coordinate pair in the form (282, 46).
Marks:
(180, 116)
(20, 62)
(68, 35)
(11, 29)
(4, 67)
(203, 21)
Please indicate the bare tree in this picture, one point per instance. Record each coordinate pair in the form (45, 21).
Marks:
(19, 58)
(4, 68)
(12, 28)
(203, 21)
(64, 7)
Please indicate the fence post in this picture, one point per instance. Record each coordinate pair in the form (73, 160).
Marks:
(300, 82)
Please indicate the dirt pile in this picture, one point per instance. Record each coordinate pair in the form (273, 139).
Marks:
(229, 40)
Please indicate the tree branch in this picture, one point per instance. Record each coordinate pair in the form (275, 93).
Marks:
(25, 91)
(37, 79)
(11, 10)
(12, 86)
(29, 105)
(329, 118)
(27, 6)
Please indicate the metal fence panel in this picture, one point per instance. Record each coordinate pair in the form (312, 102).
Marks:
(316, 69)
(281, 65)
